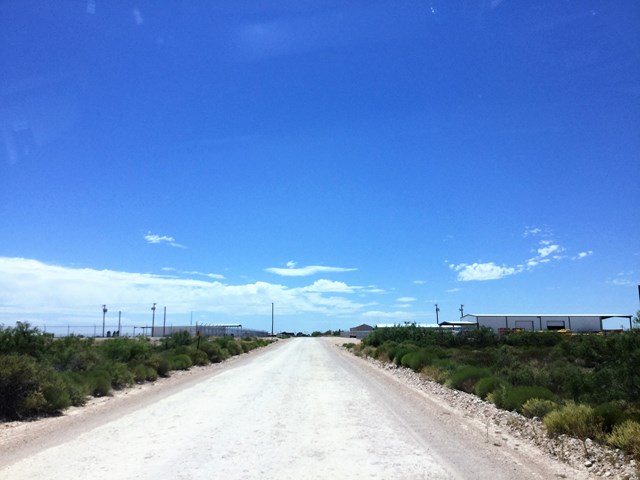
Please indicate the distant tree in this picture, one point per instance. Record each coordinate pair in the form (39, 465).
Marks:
(636, 319)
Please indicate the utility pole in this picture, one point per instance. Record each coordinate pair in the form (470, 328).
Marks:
(461, 310)
(272, 313)
(153, 318)
(164, 321)
(119, 318)
(437, 311)
(104, 313)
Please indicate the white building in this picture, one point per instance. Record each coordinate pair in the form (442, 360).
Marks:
(579, 323)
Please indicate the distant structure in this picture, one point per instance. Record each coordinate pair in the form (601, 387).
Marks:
(211, 330)
(504, 323)
(360, 331)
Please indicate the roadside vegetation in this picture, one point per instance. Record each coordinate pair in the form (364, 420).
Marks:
(587, 386)
(41, 375)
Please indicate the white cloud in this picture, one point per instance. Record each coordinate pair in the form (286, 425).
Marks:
(400, 316)
(482, 271)
(419, 282)
(306, 271)
(453, 290)
(58, 293)
(548, 249)
(323, 285)
(164, 239)
(531, 231)
(291, 264)
(406, 299)
(582, 255)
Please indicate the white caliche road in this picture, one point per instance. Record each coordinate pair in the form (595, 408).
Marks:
(301, 409)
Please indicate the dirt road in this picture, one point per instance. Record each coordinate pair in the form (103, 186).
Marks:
(301, 409)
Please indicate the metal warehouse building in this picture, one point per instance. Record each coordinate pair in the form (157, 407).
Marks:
(505, 322)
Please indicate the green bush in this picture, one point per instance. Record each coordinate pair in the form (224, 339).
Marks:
(234, 347)
(573, 419)
(125, 350)
(175, 340)
(609, 414)
(120, 374)
(487, 385)
(77, 387)
(99, 382)
(198, 357)
(513, 397)
(140, 373)
(466, 378)
(180, 362)
(400, 352)
(538, 407)
(626, 436)
(151, 374)
(159, 363)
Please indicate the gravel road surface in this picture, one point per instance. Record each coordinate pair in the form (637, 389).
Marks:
(301, 409)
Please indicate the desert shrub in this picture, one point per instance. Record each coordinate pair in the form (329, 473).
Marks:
(519, 374)
(99, 382)
(77, 387)
(159, 363)
(538, 407)
(73, 353)
(151, 374)
(125, 350)
(609, 415)
(24, 340)
(349, 346)
(626, 436)
(27, 388)
(466, 377)
(175, 340)
(400, 352)
(198, 357)
(535, 339)
(213, 351)
(180, 362)
(18, 385)
(120, 374)
(234, 347)
(513, 397)
(573, 419)
(140, 373)
(487, 385)
(566, 380)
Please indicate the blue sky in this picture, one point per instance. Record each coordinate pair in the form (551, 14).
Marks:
(351, 162)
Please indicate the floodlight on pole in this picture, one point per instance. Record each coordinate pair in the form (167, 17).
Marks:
(153, 318)
(437, 317)
(104, 314)
(461, 310)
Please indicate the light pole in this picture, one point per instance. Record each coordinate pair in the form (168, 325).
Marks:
(272, 312)
(104, 314)
(437, 311)
(153, 317)
(461, 310)
(164, 321)
(119, 318)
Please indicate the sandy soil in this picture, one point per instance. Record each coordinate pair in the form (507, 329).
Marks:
(303, 408)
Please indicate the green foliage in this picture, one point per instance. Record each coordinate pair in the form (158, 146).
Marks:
(466, 378)
(175, 340)
(487, 385)
(180, 361)
(24, 340)
(626, 436)
(159, 363)
(76, 387)
(140, 373)
(574, 419)
(99, 382)
(120, 374)
(514, 397)
(125, 350)
(27, 388)
(534, 339)
(198, 357)
(538, 407)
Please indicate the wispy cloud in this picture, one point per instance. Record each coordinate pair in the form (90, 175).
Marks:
(406, 299)
(292, 271)
(482, 271)
(162, 239)
(420, 282)
(624, 279)
(582, 255)
(453, 290)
